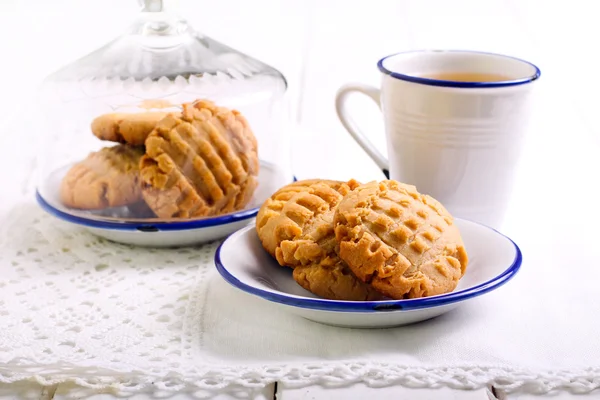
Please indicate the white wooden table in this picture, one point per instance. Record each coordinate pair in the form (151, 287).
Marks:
(319, 45)
(32, 391)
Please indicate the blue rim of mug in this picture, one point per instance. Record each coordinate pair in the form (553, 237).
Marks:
(372, 306)
(458, 84)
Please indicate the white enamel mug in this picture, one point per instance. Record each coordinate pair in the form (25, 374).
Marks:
(456, 141)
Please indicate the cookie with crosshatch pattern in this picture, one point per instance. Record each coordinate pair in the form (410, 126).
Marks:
(400, 241)
(105, 178)
(202, 162)
(295, 225)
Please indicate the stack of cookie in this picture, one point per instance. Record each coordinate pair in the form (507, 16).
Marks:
(202, 161)
(349, 241)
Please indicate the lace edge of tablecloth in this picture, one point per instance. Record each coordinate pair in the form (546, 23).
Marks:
(328, 375)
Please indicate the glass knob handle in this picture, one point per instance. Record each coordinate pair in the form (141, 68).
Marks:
(152, 5)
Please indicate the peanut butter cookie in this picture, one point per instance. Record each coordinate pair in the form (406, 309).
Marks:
(295, 225)
(273, 226)
(401, 242)
(131, 128)
(106, 178)
(202, 162)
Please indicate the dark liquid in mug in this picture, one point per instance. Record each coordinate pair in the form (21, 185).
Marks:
(467, 77)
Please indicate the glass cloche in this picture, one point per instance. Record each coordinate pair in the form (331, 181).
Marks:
(162, 129)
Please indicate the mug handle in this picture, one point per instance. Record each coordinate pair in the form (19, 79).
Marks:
(352, 128)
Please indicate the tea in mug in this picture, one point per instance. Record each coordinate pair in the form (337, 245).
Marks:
(466, 77)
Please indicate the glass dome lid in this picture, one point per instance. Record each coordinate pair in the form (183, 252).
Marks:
(160, 47)
(162, 124)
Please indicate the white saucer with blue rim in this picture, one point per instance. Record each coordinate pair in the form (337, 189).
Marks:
(241, 260)
(118, 224)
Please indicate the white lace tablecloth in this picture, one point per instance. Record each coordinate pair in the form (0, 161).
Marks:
(77, 308)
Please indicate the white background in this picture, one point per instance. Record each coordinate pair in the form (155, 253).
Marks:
(321, 44)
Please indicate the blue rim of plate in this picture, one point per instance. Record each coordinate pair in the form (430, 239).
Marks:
(458, 84)
(149, 226)
(374, 306)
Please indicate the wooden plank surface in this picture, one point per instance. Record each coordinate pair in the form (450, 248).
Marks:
(70, 392)
(34, 391)
(360, 391)
(595, 395)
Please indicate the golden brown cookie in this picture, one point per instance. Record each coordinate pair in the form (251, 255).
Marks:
(106, 178)
(131, 128)
(336, 282)
(295, 225)
(403, 243)
(202, 162)
(272, 225)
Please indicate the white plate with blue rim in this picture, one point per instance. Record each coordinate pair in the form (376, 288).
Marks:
(241, 260)
(120, 225)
